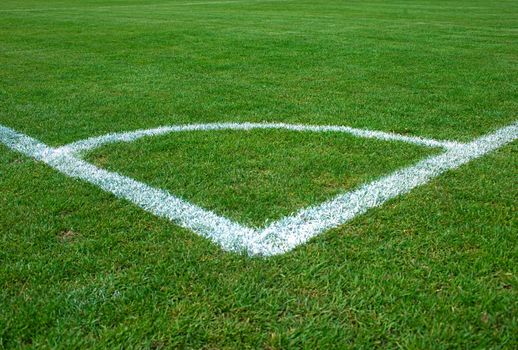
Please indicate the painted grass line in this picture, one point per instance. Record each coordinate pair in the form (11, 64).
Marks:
(289, 232)
(95, 142)
(228, 234)
(281, 236)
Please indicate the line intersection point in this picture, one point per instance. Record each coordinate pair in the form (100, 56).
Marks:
(280, 236)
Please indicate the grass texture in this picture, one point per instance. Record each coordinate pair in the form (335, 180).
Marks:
(437, 268)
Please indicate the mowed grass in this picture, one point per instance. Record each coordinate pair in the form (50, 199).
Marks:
(256, 177)
(437, 268)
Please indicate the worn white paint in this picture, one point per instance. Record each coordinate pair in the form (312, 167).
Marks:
(283, 235)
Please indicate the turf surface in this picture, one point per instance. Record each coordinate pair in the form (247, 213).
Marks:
(435, 268)
(257, 177)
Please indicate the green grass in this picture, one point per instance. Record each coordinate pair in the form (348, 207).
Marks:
(437, 268)
(258, 176)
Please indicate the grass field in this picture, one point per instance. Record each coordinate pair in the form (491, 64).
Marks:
(435, 268)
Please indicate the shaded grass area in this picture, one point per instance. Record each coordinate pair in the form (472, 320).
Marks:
(258, 176)
(436, 268)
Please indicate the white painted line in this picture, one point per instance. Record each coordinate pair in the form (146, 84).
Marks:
(279, 237)
(291, 231)
(231, 236)
(94, 142)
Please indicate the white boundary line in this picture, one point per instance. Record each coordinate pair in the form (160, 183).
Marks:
(94, 142)
(283, 235)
